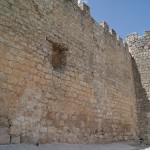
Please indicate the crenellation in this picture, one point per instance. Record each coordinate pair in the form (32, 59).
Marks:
(113, 34)
(147, 33)
(119, 40)
(132, 37)
(105, 26)
(85, 8)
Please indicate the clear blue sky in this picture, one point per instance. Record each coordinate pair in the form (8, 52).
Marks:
(125, 16)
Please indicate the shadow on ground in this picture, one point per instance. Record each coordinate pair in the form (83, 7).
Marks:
(111, 146)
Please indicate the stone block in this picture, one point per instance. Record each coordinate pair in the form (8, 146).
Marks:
(2, 76)
(15, 139)
(4, 122)
(4, 136)
(4, 130)
(9, 56)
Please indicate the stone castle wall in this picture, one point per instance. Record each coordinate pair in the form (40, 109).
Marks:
(63, 77)
(139, 48)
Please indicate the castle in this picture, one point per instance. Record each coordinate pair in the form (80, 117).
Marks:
(64, 78)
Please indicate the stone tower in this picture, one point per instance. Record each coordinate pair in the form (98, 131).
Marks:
(139, 48)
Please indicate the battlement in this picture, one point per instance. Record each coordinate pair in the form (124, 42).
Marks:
(119, 39)
(112, 33)
(103, 25)
(84, 7)
(147, 33)
(134, 36)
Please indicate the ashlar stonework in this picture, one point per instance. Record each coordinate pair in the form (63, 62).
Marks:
(65, 78)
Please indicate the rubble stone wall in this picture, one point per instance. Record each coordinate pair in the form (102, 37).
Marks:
(63, 77)
(139, 48)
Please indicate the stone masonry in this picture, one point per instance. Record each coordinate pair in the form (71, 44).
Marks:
(139, 48)
(64, 78)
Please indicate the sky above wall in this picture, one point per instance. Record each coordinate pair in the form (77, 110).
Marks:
(125, 16)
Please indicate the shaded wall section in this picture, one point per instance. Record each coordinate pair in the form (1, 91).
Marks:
(140, 51)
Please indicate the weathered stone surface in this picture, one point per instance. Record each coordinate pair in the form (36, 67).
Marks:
(4, 122)
(88, 98)
(4, 136)
(15, 139)
(140, 50)
(2, 76)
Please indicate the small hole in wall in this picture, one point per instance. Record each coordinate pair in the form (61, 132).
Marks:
(59, 56)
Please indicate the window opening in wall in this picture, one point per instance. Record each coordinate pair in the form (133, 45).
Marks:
(58, 55)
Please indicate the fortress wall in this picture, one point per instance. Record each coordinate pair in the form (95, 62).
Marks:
(64, 77)
(140, 50)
